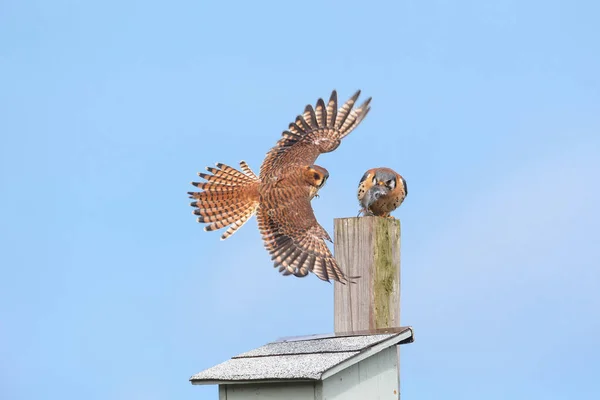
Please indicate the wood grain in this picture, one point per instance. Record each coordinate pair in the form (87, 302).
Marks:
(368, 247)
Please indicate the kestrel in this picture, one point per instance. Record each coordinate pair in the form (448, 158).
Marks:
(280, 195)
(381, 191)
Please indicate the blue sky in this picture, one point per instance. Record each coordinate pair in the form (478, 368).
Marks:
(109, 289)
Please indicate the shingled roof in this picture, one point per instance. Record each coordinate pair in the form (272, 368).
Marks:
(307, 358)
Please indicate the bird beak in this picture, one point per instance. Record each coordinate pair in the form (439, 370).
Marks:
(381, 183)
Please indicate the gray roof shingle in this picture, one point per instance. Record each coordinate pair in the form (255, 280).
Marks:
(297, 358)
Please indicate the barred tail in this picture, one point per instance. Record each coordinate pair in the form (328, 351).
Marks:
(229, 198)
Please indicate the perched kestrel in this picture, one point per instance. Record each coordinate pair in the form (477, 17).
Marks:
(381, 191)
(280, 196)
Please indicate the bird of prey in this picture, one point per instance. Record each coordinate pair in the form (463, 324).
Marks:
(381, 191)
(281, 194)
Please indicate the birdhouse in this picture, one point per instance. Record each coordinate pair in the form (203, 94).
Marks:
(337, 366)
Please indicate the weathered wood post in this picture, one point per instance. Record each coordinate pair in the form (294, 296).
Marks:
(368, 247)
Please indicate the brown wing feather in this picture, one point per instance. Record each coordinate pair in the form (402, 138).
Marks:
(317, 130)
(294, 238)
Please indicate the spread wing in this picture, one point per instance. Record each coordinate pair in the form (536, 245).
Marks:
(317, 130)
(295, 239)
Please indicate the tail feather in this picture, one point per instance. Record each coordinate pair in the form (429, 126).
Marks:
(222, 180)
(227, 176)
(235, 213)
(227, 170)
(214, 187)
(238, 224)
(247, 170)
(216, 197)
(229, 197)
(227, 219)
(214, 211)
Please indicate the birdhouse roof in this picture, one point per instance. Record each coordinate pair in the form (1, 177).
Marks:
(307, 358)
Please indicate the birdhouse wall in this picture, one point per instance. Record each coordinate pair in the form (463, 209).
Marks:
(373, 378)
(271, 391)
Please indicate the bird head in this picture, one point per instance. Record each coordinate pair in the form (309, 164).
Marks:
(385, 178)
(315, 176)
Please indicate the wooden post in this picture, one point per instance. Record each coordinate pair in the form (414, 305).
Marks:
(368, 247)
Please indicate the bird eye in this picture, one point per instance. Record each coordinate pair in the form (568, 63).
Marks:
(316, 176)
(391, 184)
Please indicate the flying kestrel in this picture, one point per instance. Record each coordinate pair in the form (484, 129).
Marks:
(280, 195)
(381, 191)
